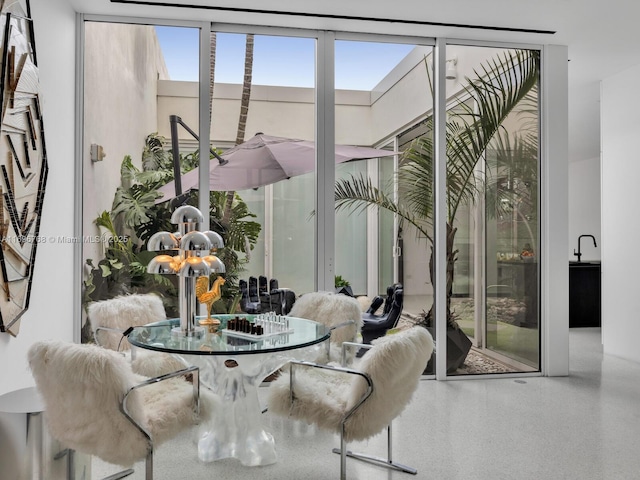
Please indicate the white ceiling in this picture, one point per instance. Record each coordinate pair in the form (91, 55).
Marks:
(602, 37)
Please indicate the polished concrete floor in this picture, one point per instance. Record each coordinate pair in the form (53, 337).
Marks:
(584, 426)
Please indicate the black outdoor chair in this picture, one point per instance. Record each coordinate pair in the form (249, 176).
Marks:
(374, 326)
(379, 300)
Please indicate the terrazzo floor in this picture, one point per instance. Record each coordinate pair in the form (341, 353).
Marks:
(581, 427)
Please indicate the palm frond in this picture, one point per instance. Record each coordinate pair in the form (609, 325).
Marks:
(498, 90)
(357, 193)
(512, 173)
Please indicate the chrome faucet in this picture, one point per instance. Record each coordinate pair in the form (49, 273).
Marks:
(578, 254)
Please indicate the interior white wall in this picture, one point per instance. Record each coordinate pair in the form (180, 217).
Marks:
(50, 314)
(584, 169)
(620, 125)
(584, 208)
(555, 176)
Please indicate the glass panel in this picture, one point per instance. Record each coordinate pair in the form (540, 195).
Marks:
(351, 238)
(294, 233)
(383, 98)
(492, 185)
(282, 105)
(416, 187)
(126, 132)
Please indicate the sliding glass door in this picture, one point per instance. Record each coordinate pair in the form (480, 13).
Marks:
(374, 99)
(273, 92)
(493, 164)
(126, 155)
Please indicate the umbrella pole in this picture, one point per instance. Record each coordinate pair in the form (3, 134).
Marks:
(174, 120)
(175, 153)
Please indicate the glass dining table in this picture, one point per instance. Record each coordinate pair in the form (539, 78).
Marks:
(233, 364)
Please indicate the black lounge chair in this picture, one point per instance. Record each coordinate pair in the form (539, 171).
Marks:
(374, 326)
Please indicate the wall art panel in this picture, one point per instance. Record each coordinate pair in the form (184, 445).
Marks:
(23, 162)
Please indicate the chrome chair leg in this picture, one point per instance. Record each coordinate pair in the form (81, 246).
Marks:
(119, 475)
(382, 462)
(71, 466)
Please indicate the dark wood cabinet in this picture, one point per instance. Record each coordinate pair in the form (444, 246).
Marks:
(584, 294)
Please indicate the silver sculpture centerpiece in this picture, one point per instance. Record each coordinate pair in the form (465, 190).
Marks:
(188, 253)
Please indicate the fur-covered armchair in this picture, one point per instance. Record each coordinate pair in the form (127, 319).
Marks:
(356, 403)
(95, 404)
(110, 318)
(339, 312)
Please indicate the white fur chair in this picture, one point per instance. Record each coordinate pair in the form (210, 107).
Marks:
(95, 404)
(339, 312)
(357, 403)
(111, 318)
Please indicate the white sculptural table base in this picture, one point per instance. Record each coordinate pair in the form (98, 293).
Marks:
(235, 429)
(233, 368)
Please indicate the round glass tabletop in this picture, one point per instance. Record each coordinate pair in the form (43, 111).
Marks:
(287, 334)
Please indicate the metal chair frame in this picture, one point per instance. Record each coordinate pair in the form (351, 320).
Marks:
(385, 462)
(195, 380)
(342, 451)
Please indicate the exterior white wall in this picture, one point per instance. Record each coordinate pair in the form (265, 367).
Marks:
(406, 98)
(584, 207)
(122, 67)
(50, 313)
(620, 125)
(362, 117)
(280, 111)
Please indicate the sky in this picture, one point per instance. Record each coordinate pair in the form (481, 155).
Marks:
(283, 61)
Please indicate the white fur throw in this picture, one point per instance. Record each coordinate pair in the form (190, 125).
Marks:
(154, 364)
(83, 386)
(121, 313)
(364, 302)
(331, 309)
(127, 311)
(322, 397)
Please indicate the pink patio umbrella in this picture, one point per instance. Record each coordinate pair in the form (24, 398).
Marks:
(263, 160)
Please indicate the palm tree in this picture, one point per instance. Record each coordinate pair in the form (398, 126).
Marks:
(501, 87)
(213, 43)
(244, 111)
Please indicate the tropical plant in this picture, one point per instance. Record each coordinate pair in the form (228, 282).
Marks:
(123, 269)
(501, 87)
(135, 216)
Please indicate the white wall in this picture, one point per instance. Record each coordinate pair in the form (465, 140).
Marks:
(584, 169)
(50, 314)
(122, 67)
(555, 177)
(584, 208)
(620, 127)
(279, 111)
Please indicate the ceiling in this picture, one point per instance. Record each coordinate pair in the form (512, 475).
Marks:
(602, 37)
